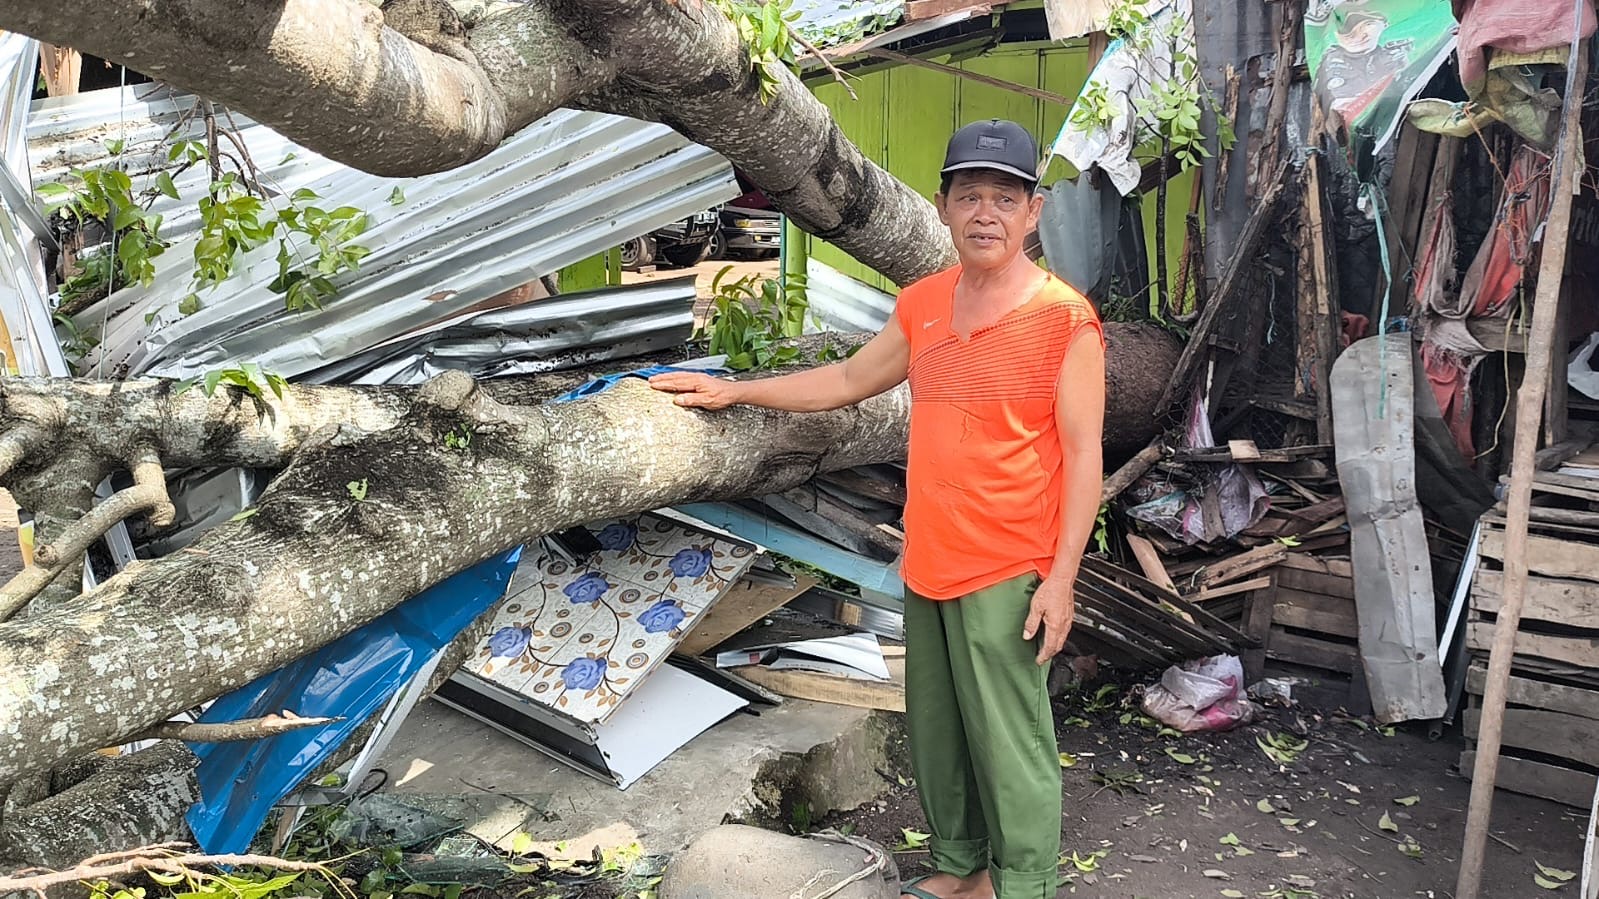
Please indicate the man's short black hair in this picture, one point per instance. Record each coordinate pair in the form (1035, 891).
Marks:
(948, 178)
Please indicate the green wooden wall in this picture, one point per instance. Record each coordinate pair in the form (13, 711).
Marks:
(906, 114)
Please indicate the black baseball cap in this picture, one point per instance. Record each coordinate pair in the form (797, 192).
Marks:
(997, 144)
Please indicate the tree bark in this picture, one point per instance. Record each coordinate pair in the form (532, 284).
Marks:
(318, 558)
(408, 90)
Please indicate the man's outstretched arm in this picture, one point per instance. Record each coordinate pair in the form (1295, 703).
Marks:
(879, 365)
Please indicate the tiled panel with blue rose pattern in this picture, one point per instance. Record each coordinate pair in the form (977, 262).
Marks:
(580, 639)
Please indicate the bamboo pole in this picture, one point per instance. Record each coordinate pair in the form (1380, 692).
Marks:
(1529, 410)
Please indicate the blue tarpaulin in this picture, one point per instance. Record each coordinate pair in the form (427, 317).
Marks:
(352, 678)
(606, 382)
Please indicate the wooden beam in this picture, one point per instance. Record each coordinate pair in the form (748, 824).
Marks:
(920, 10)
(1318, 332)
(1149, 560)
(1132, 470)
(1529, 408)
(978, 77)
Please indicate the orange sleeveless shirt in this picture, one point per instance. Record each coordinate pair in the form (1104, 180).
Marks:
(985, 469)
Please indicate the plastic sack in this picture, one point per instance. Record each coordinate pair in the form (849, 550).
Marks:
(1201, 695)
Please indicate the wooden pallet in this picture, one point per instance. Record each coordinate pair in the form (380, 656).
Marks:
(1550, 742)
(1306, 616)
(1550, 745)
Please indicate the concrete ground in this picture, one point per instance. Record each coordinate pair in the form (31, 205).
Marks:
(705, 273)
(800, 761)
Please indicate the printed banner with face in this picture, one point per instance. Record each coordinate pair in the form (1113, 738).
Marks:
(1369, 58)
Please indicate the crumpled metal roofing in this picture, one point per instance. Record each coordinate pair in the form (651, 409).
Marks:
(567, 331)
(30, 343)
(830, 23)
(559, 191)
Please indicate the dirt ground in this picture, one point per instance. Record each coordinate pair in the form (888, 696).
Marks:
(1356, 814)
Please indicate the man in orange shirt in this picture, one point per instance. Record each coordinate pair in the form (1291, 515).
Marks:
(1007, 372)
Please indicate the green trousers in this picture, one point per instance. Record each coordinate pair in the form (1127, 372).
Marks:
(983, 738)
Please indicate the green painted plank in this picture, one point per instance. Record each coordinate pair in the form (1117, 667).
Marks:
(981, 101)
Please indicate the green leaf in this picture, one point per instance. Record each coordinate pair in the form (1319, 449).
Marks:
(1232, 894)
(1230, 839)
(212, 379)
(1554, 873)
(1181, 758)
(163, 182)
(1387, 823)
(914, 839)
(245, 514)
(1547, 884)
(396, 196)
(521, 843)
(1067, 760)
(166, 880)
(1407, 801)
(52, 189)
(277, 384)
(126, 217)
(1266, 806)
(189, 305)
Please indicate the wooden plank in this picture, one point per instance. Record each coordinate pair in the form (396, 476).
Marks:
(1323, 283)
(1292, 614)
(1316, 583)
(742, 606)
(815, 686)
(1336, 567)
(1243, 564)
(1257, 625)
(1567, 786)
(1149, 560)
(918, 10)
(1575, 650)
(1574, 603)
(855, 482)
(1549, 555)
(1338, 606)
(1243, 450)
(1259, 583)
(1302, 650)
(1552, 733)
(1566, 698)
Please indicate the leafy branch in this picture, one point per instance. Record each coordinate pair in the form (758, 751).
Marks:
(750, 318)
(1170, 104)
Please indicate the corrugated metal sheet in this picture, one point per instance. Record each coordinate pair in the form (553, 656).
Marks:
(568, 331)
(829, 23)
(565, 188)
(31, 347)
(843, 303)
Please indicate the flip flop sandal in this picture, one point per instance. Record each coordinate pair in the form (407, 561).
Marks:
(910, 889)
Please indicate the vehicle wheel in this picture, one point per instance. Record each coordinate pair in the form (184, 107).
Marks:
(718, 247)
(687, 255)
(638, 253)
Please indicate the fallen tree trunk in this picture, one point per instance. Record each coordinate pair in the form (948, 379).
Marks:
(360, 521)
(408, 89)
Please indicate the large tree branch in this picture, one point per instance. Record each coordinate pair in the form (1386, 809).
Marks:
(418, 93)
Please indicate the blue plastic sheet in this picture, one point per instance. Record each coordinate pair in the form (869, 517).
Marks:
(353, 678)
(606, 382)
